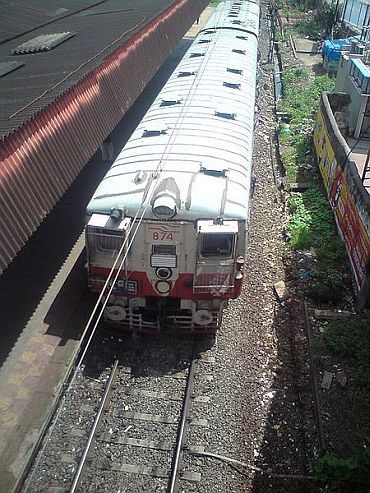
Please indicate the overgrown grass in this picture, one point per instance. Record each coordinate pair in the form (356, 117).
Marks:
(311, 225)
(295, 6)
(300, 102)
(326, 277)
(348, 469)
(317, 25)
(350, 339)
(312, 228)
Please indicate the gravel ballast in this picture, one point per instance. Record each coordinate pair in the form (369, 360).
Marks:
(250, 374)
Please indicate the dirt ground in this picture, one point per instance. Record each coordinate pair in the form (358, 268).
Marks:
(344, 403)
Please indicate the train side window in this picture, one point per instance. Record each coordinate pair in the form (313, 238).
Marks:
(216, 245)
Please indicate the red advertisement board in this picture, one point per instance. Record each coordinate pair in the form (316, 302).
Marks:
(350, 225)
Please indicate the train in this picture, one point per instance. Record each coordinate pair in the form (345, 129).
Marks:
(166, 231)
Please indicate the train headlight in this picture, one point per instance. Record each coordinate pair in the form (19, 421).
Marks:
(164, 207)
(163, 272)
(163, 287)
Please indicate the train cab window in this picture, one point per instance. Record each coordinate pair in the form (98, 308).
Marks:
(108, 240)
(216, 245)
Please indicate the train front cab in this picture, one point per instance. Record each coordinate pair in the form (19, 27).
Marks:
(197, 297)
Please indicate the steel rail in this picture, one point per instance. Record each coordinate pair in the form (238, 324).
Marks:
(181, 434)
(98, 416)
(315, 389)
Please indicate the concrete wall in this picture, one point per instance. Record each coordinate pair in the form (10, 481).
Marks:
(347, 195)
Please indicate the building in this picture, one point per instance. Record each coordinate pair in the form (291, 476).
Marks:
(356, 16)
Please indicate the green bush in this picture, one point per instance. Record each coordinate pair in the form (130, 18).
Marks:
(349, 338)
(309, 28)
(312, 227)
(344, 475)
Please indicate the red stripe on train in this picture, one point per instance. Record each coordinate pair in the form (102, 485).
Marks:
(181, 288)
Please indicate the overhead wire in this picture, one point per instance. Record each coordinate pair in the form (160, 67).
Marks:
(134, 226)
(155, 175)
(138, 218)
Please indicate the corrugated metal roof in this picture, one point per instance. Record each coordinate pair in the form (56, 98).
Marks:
(40, 160)
(100, 27)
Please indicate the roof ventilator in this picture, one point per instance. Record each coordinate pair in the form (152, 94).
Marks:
(235, 71)
(140, 177)
(242, 37)
(170, 102)
(240, 52)
(237, 22)
(154, 129)
(203, 41)
(231, 85)
(153, 133)
(185, 74)
(227, 116)
(196, 55)
(213, 172)
(44, 42)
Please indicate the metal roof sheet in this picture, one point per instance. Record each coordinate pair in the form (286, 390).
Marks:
(100, 27)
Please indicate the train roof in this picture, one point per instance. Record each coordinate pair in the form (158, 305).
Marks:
(195, 142)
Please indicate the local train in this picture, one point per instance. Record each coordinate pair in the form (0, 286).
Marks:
(167, 227)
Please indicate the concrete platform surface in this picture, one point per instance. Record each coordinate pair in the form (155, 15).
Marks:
(31, 377)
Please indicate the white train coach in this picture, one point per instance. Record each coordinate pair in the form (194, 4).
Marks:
(167, 227)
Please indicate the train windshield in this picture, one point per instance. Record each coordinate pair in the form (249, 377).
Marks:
(216, 244)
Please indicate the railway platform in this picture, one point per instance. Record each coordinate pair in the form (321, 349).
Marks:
(32, 376)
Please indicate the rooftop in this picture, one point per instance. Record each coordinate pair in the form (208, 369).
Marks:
(47, 47)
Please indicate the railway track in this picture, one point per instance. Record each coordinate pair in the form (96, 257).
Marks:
(127, 451)
(129, 426)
